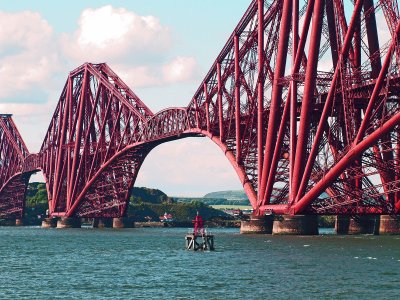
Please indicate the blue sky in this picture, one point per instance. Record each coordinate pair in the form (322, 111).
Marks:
(161, 49)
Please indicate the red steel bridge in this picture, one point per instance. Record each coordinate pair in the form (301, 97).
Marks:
(304, 101)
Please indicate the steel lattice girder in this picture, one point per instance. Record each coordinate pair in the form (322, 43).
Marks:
(302, 100)
(13, 182)
(310, 119)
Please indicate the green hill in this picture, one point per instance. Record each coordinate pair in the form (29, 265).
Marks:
(144, 202)
(238, 198)
(143, 194)
(36, 193)
(228, 195)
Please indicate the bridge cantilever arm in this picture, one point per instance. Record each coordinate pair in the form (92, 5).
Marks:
(314, 149)
(353, 154)
(12, 139)
(377, 89)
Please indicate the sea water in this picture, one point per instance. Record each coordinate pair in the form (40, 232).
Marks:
(151, 263)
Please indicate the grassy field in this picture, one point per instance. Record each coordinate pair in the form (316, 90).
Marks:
(225, 206)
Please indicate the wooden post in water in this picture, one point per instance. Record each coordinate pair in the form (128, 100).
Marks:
(200, 242)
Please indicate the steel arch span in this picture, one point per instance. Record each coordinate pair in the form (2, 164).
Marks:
(303, 100)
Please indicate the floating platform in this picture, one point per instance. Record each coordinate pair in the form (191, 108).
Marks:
(204, 242)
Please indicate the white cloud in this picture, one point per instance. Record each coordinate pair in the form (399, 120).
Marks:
(142, 76)
(180, 69)
(135, 47)
(325, 64)
(384, 34)
(32, 121)
(188, 167)
(103, 27)
(23, 29)
(27, 56)
(116, 35)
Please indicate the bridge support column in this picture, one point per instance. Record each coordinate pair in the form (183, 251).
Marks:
(49, 223)
(19, 222)
(69, 223)
(368, 224)
(364, 225)
(102, 223)
(342, 224)
(296, 225)
(257, 224)
(389, 225)
(124, 222)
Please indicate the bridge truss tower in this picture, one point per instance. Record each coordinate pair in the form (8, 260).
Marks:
(305, 96)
